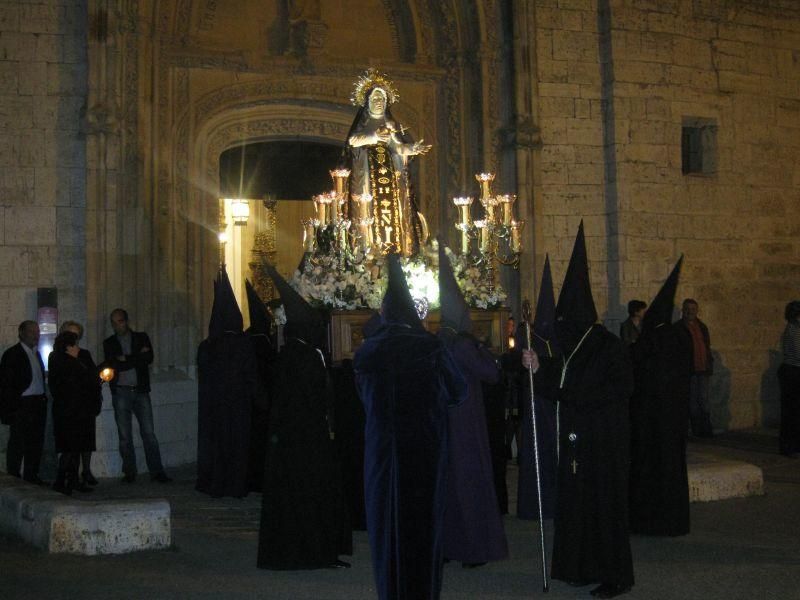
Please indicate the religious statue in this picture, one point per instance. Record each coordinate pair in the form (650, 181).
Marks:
(381, 152)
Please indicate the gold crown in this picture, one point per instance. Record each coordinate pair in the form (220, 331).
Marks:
(369, 80)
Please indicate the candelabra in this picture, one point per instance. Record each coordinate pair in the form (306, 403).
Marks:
(498, 234)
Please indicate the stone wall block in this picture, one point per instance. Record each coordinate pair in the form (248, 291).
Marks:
(680, 25)
(691, 77)
(30, 149)
(639, 72)
(34, 81)
(553, 71)
(66, 79)
(20, 47)
(9, 80)
(16, 113)
(690, 52)
(587, 173)
(557, 107)
(49, 48)
(30, 225)
(70, 226)
(42, 18)
(648, 153)
(574, 45)
(17, 186)
(649, 249)
(584, 132)
(9, 17)
(14, 262)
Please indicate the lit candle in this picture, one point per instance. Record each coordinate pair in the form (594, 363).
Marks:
(507, 202)
(323, 202)
(339, 177)
(485, 181)
(485, 227)
(463, 203)
(107, 374)
(516, 236)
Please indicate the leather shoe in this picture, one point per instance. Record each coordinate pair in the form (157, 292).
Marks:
(339, 564)
(129, 478)
(89, 479)
(467, 565)
(610, 590)
(161, 477)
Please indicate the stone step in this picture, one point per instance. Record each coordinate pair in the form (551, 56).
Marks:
(714, 478)
(59, 524)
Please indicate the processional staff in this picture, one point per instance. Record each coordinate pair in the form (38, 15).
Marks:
(526, 316)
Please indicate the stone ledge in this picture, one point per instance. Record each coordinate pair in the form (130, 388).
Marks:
(712, 478)
(60, 524)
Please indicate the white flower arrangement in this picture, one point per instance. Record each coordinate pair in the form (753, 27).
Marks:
(326, 283)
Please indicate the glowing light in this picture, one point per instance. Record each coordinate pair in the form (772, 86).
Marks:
(240, 211)
(422, 283)
(107, 374)
(223, 237)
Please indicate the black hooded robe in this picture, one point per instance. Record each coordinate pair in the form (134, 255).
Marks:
(304, 521)
(591, 541)
(406, 379)
(227, 383)
(659, 487)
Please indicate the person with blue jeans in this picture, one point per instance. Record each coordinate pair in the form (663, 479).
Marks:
(130, 354)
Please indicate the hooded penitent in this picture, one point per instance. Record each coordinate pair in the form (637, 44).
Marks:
(259, 335)
(660, 310)
(662, 359)
(590, 541)
(302, 320)
(227, 384)
(544, 320)
(473, 528)
(575, 311)
(260, 320)
(454, 309)
(304, 520)
(225, 313)
(398, 306)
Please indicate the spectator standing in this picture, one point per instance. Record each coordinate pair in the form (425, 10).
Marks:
(130, 354)
(789, 379)
(702, 368)
(24, 403)
(632, 326)
(86, 358)
(75, 387)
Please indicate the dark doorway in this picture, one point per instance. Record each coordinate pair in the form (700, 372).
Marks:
(284, 170)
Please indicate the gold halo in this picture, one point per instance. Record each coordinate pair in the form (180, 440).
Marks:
(373, 78)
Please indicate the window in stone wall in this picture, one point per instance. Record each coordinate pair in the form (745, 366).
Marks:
(699, 146)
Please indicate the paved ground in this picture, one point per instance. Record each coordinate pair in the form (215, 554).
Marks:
(738, 549)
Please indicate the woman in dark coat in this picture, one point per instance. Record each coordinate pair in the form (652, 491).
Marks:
(75, 388)
(86, 358)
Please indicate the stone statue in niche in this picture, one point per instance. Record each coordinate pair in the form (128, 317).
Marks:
(298, 29)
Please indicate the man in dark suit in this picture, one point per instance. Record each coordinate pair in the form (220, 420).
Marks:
(23, 404)
(130, 354)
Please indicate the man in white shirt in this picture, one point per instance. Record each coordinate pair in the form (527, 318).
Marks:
(23, 403)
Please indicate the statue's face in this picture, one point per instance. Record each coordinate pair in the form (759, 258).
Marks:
(377, 102)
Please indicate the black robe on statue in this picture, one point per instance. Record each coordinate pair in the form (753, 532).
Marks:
(591, 542)
(227, 383)
(304, 521)
(659, 488)
(406, 380)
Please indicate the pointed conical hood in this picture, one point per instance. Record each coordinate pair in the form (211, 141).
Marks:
(575, 303)
(225, 313)
(260, 320)
(545, 318)
(398, 306)
(297, 309)
(660, 310)
(455, 312)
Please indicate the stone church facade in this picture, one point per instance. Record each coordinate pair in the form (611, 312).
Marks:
(668, 126)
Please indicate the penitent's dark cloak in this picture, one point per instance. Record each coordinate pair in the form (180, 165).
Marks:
(659, 488)
(227, 383)
(406, 380)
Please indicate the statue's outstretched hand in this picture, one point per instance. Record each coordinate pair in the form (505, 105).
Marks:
(420, 148)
